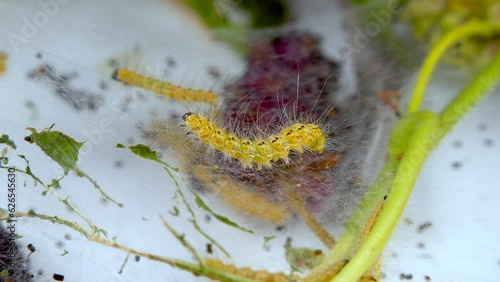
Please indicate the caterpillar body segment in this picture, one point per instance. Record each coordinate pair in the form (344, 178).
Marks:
(261, 151)
(257, 275)
(237, 195)
(163, 88)
(3, 62)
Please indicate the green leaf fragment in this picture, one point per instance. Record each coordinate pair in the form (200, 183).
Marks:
(142, 151)
(4, 272)
(199, 202)
(267, 239)
(54, 183)
(58, 146)
(175, 212)
(145, 152)
(4, 139)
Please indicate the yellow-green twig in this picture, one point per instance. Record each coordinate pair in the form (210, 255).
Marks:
(422, 141)
(472, 28)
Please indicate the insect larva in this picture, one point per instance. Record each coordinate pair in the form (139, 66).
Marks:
(163, 88)
(240, 197)
(261, 151)
(3, 62)
(257, 275)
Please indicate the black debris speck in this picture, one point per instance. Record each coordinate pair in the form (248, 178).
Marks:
(137, 258)
(67, 236)
(141, 96)
(404, 276)
(489, 142)
(209, 248)
(113, 63)
(31, 248)
(424, 226)
(456, 165)
(458, 144)
(421, 245)
(208, 218)
(58, 277)
(171, 62)
(427, 278)
(30, 104)
(118, 164)
(103, 85)
(408, 221)
(280, 227)
(214, 73)
(39, 55)
(482, 126)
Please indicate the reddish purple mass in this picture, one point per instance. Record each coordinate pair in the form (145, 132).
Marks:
(287, 80)
(286, 75)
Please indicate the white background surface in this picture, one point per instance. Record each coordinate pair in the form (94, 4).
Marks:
(461, 201)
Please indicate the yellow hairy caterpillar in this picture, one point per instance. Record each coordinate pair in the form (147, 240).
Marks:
(261, 151)
(3, 62)
(257, 275)
(163, 88)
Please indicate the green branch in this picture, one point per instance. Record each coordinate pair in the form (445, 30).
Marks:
(422, 141)
(195, 269)
(472, 28)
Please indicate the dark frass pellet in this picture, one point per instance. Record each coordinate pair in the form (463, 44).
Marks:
(424, 226)
(404, 276)
(171, 62)
(31, 248)
(137, 258)
(489, 142)
(280, 227)
(58, 277)
(456, 165)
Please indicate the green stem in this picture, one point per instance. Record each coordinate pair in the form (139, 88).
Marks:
(416, 153)
(399, 139)
(183, 241)
(347, 243)
(191, 212)
(65, 201)
(96, 186)
(472, 28)
(481, 86)
(195, 269)
(422, 141)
